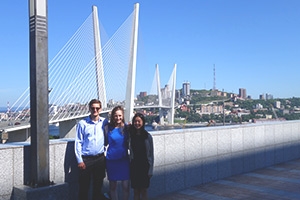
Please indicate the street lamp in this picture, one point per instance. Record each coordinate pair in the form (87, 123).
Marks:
(39, 119)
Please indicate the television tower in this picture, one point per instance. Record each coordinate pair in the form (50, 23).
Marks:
(214, 86)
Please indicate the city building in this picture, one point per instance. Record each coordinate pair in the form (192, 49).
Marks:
(3, 116)
(242, 93)
(177, 94)
(262, 97)
(143, 94)
(277, 104)
(259, 106)
(269, 96)
(208, 109)
(224, 94)
(186, 87)
(165, 92)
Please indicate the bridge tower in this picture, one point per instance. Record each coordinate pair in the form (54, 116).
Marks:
(161, 114)
(167, 98)
(101, 91)
(130, 88)
(171, 113)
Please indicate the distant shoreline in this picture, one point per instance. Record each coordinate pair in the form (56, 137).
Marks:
(13, 109)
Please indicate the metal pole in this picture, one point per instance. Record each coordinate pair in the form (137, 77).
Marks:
(39, 121)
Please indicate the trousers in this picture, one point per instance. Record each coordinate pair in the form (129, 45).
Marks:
(94, 173)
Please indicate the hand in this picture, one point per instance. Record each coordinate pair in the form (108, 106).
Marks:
(81, 165)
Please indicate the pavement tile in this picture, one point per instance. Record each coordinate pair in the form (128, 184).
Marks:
(280, 181)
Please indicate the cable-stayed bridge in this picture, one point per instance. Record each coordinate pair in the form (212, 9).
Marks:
(88, 67)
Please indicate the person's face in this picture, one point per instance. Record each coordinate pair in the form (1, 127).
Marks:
(138, 123)
(95, 109)
(118, 117)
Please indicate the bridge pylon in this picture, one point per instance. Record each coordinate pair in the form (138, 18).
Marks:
(171, 113)
(161, 113)
(130, 88)
(166, 96)
(101, 91)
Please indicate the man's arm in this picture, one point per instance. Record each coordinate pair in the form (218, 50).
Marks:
(78, 146)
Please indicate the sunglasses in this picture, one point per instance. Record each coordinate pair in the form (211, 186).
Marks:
(95, 108)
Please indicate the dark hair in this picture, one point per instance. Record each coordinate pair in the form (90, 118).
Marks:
(95, 101)
(133, 130)
(140, 115)
(113, 112)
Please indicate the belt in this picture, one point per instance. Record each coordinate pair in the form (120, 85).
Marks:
(93, 156)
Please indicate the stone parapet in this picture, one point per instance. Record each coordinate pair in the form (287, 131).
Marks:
(183, 157)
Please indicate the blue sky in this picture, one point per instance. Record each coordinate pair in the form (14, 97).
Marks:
(253, 44)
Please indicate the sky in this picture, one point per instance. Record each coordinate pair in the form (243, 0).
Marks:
(251, 44)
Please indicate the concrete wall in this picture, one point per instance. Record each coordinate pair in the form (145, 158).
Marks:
(183, 158)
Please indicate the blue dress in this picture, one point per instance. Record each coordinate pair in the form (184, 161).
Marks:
(117, 159)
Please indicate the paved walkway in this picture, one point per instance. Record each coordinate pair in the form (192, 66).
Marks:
(279, 182)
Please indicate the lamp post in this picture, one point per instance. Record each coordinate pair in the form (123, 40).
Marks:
(39, 148)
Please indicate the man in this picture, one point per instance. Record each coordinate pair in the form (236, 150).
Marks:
(89, 151)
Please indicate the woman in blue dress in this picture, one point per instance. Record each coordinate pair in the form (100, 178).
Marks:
(117, 158)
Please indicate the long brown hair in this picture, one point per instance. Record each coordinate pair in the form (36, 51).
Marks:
(113, 112)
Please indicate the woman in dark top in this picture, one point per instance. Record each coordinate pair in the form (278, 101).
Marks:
(141, 157)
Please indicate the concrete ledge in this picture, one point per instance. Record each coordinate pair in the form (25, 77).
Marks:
(183, 158)
(52, 192)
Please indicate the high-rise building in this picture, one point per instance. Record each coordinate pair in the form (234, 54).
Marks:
(277, 104)
(177, 94)
(269, 96)
(143, 94)
(165, 92)
(186, 87)
(242, 93)
(262, 97)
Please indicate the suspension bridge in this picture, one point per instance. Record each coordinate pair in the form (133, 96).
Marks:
(87, 68)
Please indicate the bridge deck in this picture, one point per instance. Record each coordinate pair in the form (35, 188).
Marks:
(281, 181)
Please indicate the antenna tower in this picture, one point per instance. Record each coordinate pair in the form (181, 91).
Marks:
(8, 108)
(214, 87)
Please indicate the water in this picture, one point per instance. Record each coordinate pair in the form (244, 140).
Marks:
(53, 130)
(13, 109)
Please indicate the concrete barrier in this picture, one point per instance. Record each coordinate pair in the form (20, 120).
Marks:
(183, 157)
